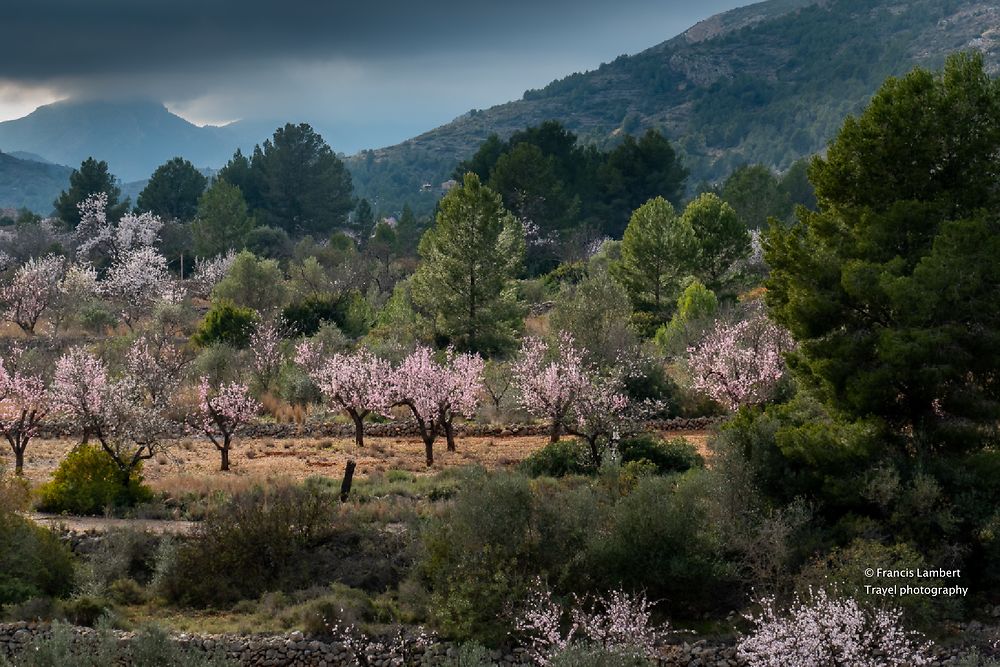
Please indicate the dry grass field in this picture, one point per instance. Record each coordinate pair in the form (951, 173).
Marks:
(193, 464)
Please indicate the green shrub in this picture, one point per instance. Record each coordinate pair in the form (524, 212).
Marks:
(96, 318)
(674, 455)
(226, 323)
(279, 539)
(88, 481)
(86, 610)
(33, 562)
(580, 654)
(558, 459)
(660, 539)
(305, 317)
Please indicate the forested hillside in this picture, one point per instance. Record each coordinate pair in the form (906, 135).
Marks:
(767, 83)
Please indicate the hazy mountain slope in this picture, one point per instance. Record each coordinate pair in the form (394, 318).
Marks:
(133, 137)
(30, 184)
(765, 83)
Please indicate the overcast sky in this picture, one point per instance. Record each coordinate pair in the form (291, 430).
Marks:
(384, 70)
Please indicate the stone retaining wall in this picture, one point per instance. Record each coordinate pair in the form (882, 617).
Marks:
(399, 428)
(295, 650)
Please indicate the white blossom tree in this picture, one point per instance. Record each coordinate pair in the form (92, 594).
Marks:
(824, 630)
(209, 272)
(136, 281)
(97, 234)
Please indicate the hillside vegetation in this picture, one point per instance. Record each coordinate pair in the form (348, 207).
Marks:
(767, 83)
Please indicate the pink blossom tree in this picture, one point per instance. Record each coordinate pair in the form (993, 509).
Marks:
(436, 393)
(550, 379)
(359, 383)
(740, 364)
(603, 414)
(266, 354)
(222, 412)
(119, 412)
(824, 630)
(24, 404)
(32, 289)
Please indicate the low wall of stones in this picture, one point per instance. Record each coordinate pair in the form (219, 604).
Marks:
(296, 650)
(401, 428)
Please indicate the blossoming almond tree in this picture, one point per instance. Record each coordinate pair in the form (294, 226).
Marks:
(266, 355)
(33, 288)
(24, 404)
(136, 281)
(550, 379)
(740, 364)
(603, 414)
(437, 393)
(222, 412)
(209, 272)
(825, 630)
(119, 412)
(359, 383)
(114, 239)
(618, 621)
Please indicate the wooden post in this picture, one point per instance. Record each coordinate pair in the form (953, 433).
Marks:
(345, 486)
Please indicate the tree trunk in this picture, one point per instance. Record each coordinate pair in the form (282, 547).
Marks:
(429, 450)
(554, 431)
(359, 428)
(449, 434)
(594, 453)
(19, 461)
(224, 451)
(345, 486)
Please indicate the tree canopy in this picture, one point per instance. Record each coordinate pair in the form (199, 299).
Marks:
(173, 190)
(469, 258)
(91, 178)
(891, 287)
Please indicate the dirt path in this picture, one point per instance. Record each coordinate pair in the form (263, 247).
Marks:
(100, 524)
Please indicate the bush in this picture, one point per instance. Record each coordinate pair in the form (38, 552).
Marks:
(558, 459)
(660, 539)
(86, 610)
(279, 539)
(674, 455)
(33, 562)
(87, 481)
(226, 323)
(305, 317)
(580, 654)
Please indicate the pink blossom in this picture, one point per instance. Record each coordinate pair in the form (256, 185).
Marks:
(740, 364)
(222, 412)
(266, 353)
(24, 404)
(359, 383)
(550, 379)
(829, 631)
(121, 413)
(437, 393)
(33, 288)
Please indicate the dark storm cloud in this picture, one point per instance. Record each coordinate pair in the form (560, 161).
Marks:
(60, 40)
